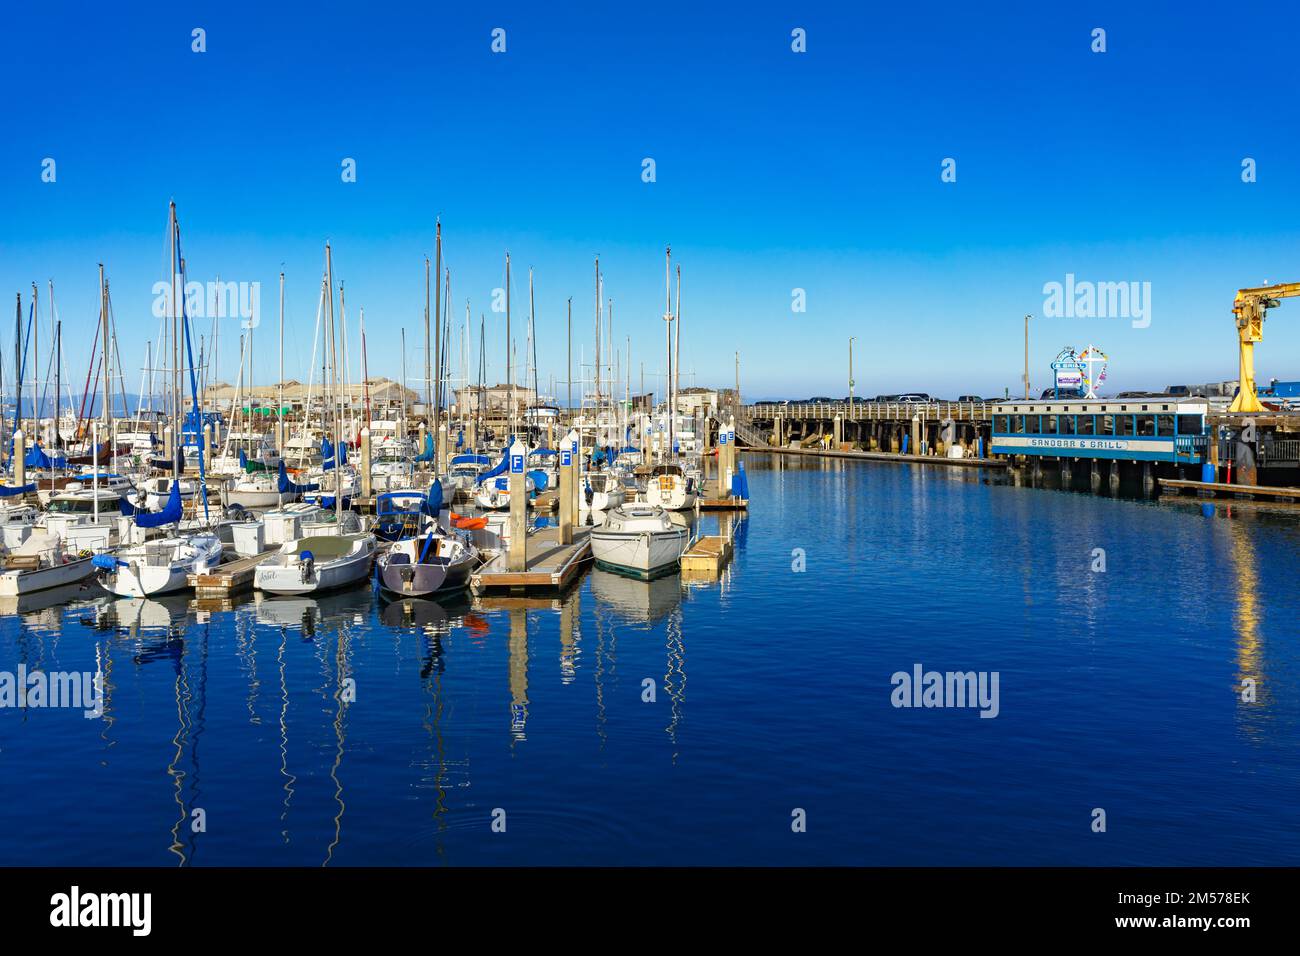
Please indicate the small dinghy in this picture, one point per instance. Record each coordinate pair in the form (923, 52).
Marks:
(428, 559)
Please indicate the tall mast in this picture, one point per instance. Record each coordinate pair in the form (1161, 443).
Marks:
(103, 315)
(668, 327)
(36, 368)
(510, 380)
(173, 226)
(279, 401)
(598, 338)
(428, 361)
(437, 328)
(401, 419)
(569, 376)
(334, 378)
(677, 342)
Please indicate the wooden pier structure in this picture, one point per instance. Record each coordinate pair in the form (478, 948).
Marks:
(551, 565)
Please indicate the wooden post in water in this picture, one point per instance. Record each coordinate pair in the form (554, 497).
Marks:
(367, 480)
(419, 441)
(567, 467)
(837, 432)
(518, 556)
(168, 445)
(20, 458)
(443, 441)
(207, 446)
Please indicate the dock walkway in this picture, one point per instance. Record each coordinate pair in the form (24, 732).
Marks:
(551, 565)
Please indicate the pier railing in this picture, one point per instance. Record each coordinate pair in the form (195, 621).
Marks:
(873, 411)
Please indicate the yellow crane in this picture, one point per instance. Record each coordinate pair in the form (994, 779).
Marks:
(1250, 307)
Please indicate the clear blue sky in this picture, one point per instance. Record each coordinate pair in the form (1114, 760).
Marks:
(775, 171)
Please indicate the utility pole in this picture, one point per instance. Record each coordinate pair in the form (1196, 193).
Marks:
(1027, 318)
(851, 338)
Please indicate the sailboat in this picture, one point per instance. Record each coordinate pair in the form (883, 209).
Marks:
(432, 560)
(318, 562)
(161, 565)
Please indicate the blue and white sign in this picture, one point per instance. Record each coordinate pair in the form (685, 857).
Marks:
(516, 464)
(566, 457)
(722, 437)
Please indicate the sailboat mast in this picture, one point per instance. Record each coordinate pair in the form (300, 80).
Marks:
(279, 402)
(668, 327)
(334, 379)
(437, 327)
(510, 379)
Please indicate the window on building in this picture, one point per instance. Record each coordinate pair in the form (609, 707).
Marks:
(1146, 426)
(1190, 425)
(1032, 425)
(1165, 426)
(1087, 425)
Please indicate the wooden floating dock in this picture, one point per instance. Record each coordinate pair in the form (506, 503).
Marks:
(229, 577)
(551, 565)
(880, 456)
(711, 498)
(707, 554)
(1219, 489)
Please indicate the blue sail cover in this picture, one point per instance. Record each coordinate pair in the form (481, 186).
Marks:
(287, 487)
(342, 457)
(471, 460)
(428, 453)
(170, 514)
(36, 458)
(497, 470)
(243, 459)
(433, 500)
(125, 506)
(326, 449)
(8, 491)
(540, 480)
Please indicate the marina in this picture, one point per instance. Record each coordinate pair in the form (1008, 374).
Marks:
(850, 451)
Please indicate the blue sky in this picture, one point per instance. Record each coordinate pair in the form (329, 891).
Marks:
(775, 171)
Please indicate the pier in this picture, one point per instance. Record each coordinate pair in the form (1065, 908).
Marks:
(550, 565)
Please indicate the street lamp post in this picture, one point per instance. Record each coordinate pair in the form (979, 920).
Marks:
(1026, 375)
(851, 338)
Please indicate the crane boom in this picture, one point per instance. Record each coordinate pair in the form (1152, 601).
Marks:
(1250, 306)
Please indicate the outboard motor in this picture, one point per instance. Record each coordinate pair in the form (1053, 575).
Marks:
(308, 562)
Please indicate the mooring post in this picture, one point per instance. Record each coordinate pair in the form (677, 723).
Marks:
(567, 461)
(518, 557)
(444, 445)
(367, 480)
(207, 446)
(20, 458)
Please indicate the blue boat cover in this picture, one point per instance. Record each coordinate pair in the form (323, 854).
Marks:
(429, 452)
(287, 487)
(170, 514)
(8, 491)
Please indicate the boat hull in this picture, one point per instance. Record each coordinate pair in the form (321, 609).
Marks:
(643, 553)
(404, 579)
(15, 583)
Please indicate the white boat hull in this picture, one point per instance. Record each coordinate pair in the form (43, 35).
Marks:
(285, 574)
(139, 575)
(15, 583)
(642, 552)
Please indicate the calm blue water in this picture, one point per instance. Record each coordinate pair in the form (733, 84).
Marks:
(1118, 690)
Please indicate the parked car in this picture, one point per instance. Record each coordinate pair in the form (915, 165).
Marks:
(914, 398)
(819, 400)
(1063, 393)
(885, 398)
(969, 398)
(1178, 391)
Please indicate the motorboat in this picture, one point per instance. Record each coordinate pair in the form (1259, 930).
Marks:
(42, 562)
(639, 539)
(316, 563)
